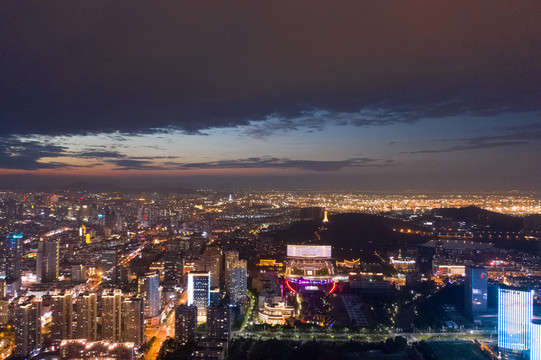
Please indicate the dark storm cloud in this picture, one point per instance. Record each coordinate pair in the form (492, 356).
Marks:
(89, 67)
(25, 155)
(250, 163)
(107, 154)
(272, 162)
(512, 136)
(99, 154)
(132, 164)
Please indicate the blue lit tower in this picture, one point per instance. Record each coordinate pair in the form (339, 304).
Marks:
(515, 312)
(535, 341)
(199, 291)
(475, 290)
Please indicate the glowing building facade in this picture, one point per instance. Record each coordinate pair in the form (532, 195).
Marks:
(535, 340)
(515, 312)
(476, 290)
(199, 289)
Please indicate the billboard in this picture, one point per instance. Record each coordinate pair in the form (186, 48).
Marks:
(309, 251)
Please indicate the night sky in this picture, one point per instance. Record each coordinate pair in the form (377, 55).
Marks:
(363, 95)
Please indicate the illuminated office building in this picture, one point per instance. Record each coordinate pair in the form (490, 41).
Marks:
(475, 290)
(515, 312)
(199, 292)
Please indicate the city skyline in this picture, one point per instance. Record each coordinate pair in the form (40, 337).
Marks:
(387, 96)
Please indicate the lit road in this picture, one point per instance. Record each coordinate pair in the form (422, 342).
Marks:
(164, 330)
(250, 312)
(7, 344)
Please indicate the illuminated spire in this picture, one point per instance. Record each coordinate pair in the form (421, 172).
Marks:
(325, 219)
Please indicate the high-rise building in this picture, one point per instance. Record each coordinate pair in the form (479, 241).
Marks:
(219, 323)
(87, 316)
(230, 258)
(172, 263)
(27, 326)
(62, 316)
(111, 315)
(211, 261)
(199, 292)
(47, 260)
(133, 322)
(109, 264)
(14, 251)
(78, 273)
(515, 312)
(185, 323)
(475, 290)
(535, 340)
(148, 289)
(236, 282)
(4, 310)
(198, 289)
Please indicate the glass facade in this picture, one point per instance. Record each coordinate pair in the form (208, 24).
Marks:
(199, 289)
(476, 296)
(535, 342)
(515, 312)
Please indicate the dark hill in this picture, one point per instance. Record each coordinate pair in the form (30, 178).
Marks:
(351, 233)
(478, 216)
